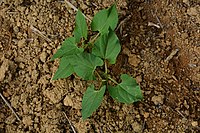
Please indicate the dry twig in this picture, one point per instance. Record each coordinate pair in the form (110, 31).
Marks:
(72, 127)
(180, 113)
(157, 19)
(176, 110)
(10, 107)
(71, 5)
(4, 10)
(109, 129)
(120, 25)
(143, 126)
(39, 33)
(75, 9)
(100, 129)
(173, 53)
(152, 24)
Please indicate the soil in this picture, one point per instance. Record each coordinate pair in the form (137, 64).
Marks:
(160, 48)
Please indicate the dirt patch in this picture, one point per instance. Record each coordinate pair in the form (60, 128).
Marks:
(160, 47)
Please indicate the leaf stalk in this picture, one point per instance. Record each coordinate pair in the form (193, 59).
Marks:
(93, 40)
(106, 68)
(114, 81)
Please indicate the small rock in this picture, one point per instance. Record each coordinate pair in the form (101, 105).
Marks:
(126, 51)
(43, 56)
(186, 2)
(192, 11)
(81, 126)
(34, 75)
(185, 104)
(15, 100)
(25, 109)
(55, 95)
(68, 101)
(133, 60)
(78, 104)
(138, 79)
(194, 123)
(146, 65)
(10, 119)
(21, 43)
(198, 76)
(27, 120)
(137, 127)
(3, 69)
(83, 6)
(146, 115)
(157, 99)
(15, 29)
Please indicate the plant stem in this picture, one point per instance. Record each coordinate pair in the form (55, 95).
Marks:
(106, 68)
(92, 41)
(98, 75)
(113, 80)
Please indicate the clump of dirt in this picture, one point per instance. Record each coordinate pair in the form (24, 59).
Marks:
(160, 48)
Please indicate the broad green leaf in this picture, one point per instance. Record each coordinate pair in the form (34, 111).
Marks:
(107, 47)
(85, 65)
(68, 48)
(104, 19)
(81, 29)
(65, 68)
(128, 91)
(91, 100)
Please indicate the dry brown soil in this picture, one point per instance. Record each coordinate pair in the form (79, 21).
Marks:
(160, 47)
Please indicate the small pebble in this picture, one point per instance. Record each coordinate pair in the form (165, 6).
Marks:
(194, 123)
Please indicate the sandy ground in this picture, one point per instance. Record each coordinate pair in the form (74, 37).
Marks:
(160, 47)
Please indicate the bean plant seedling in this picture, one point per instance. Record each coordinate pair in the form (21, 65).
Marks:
(89, 57)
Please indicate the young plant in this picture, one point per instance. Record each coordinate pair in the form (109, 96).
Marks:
(90, 58)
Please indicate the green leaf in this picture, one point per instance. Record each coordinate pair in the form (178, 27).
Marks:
(85, 65)
(65, 68)
(91, 100)
(104, 19)
(128, 91)
(68, 48)
(107, 47)
(81, 29)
